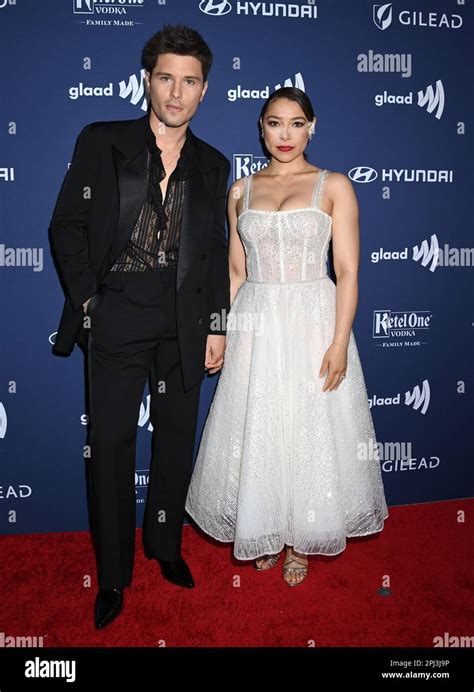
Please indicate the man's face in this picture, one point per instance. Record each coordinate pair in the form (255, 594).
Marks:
(176, 88)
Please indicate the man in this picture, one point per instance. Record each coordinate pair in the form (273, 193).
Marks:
(139, 235)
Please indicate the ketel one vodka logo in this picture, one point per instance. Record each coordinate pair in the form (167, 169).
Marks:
(104, 7)
(418, 398)
(247, 164)
(390, 324)
(142, 478)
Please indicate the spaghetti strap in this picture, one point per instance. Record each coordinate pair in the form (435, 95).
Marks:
(247, 182)
(319, 187)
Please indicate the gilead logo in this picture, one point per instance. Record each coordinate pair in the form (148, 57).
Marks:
(383, 17)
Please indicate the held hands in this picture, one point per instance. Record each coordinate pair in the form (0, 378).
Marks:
(215, 347)
(335, 363)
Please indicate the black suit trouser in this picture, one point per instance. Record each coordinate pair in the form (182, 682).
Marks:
(132, 336)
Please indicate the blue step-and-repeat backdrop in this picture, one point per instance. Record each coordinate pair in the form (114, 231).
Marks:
(392, 92)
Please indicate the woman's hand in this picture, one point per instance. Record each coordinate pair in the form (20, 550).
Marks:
(215, 349)
(335, 363)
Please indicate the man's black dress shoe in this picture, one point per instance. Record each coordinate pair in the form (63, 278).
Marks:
(108, 604)
(177, 572)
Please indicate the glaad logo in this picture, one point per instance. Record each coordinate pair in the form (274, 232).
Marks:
(246, 164)
(432, 99)
(216, 8)
(134, 90)
(299, 83)
(417, 399)
(430, 254)
(426, 254)
(144, 415)
(3, 421)
(241, 93)
(82, 90)
(404, 323)
(445, 256)
(382, 16)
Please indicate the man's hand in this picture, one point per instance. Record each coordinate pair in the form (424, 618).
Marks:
(215, 347)
(84, 305)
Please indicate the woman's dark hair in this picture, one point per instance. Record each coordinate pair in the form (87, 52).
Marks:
(178, 39)
(292, 94)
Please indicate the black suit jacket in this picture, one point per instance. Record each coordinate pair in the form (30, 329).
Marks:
(97, 208)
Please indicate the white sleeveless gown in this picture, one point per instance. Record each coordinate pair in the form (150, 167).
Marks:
(281, 461)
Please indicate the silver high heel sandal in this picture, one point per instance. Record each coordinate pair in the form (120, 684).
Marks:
(270, 560)
(288, 569)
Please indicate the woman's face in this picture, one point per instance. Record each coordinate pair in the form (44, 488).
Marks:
(286, 129)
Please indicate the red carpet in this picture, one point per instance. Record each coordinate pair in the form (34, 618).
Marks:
(424, 550)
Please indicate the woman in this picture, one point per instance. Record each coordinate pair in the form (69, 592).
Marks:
(288, 454)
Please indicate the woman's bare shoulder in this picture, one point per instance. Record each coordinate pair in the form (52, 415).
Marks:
(338, 184)
(236, 193)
